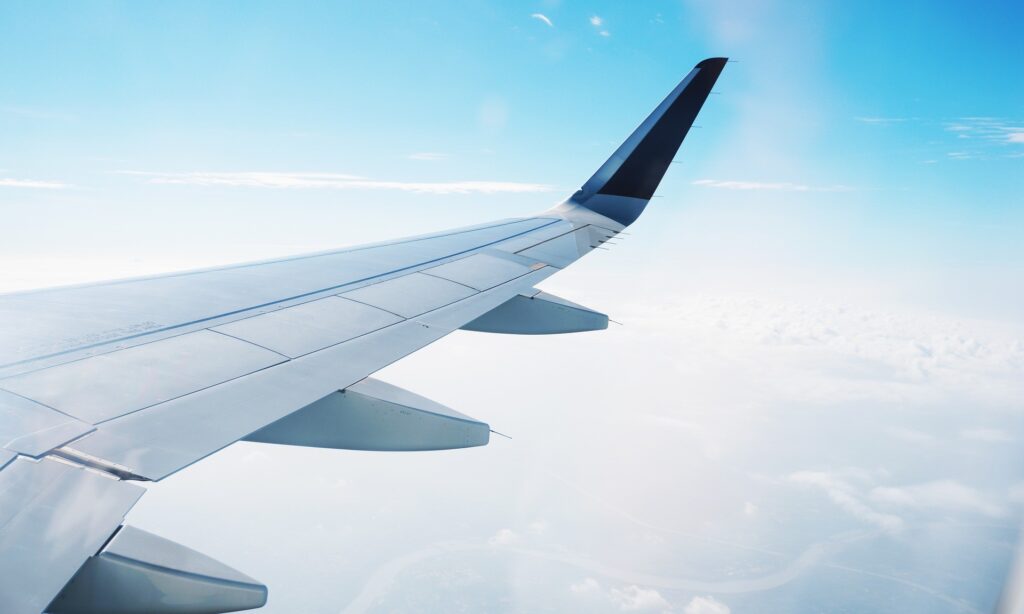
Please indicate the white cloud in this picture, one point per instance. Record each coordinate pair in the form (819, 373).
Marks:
(749, 508)
(586, 586)
(598, 22)
(847, 497)
(636, 599)
(9, 182)
(544, 18)
(839, 353)
(334, 181)
(944, 495)
(504, 537)
(989, 435)
(537, 527)
(1015, 137)
(783, 186)
(706, 605)
(428, 156)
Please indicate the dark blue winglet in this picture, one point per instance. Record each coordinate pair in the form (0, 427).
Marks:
(621, 188)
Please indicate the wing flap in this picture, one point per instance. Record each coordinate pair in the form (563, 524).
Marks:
(53, 517)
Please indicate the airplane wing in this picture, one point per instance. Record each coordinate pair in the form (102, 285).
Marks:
(104, 386)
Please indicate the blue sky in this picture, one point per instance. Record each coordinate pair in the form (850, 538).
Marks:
(815, 400)
(899, 126)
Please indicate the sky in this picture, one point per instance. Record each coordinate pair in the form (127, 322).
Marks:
(814, 402)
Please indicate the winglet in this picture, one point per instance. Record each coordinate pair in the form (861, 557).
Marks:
(621, 188)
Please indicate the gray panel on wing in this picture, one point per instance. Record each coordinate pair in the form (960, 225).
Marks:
(564, 250)
(482, 271)
(310, 326)
(102, 387)
(517, 244)
(452, 317)
(410, 295)
(52, 518)
(33, 429)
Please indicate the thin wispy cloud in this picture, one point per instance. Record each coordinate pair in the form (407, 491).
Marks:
(778, 186)
(940, 494)
(542, 18)
(977, 137)
(634, 598)
(706, 605)
(881, 120)
(428, 156)
(984, 137)
(333, 181)
(10, 182)
(843, 493)
(598, 23)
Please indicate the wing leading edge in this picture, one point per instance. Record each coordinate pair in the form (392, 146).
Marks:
(135, 380)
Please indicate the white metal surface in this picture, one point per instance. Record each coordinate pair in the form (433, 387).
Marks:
(56, 325)
(482, 271)
(410, 295)
(29, 428)
(311, 326)
(52, 518)
(103, 387)
(141, 572)
(562, 250)
(160, 440)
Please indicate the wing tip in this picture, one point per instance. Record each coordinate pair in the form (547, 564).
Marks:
(717, 62)
(623, 185)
